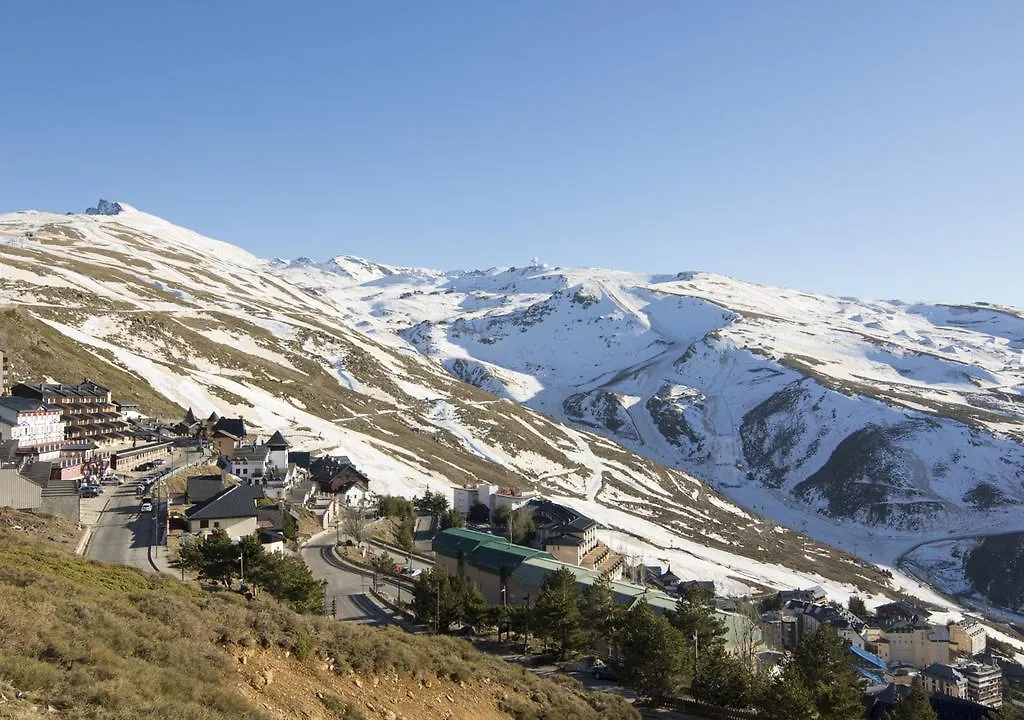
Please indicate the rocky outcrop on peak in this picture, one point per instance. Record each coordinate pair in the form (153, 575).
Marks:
(104, 207)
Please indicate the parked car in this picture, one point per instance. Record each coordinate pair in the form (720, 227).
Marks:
(411, 571)
(603, 672)
(89, 491)
(146, 507)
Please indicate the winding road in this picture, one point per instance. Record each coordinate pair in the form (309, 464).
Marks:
(348, 589)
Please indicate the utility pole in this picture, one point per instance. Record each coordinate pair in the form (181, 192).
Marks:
(695, 651)
(437, 611)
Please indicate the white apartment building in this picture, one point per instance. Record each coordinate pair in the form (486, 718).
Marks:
(33, 425)
(492, 496)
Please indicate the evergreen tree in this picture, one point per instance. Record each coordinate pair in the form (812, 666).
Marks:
(915, 706)
(599, 610)
(287, 578)
(384, 564)
(434, 602)
(820, 659)
(523, 527)
(651, 658)
(556, 613)
(406, 527)
(857, 606)
(452, 518)
(501, 516)
(783, 697)
(214, 557)
(696, 619)
(723, 681)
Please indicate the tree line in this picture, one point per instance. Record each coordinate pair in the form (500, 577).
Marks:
(659, 656)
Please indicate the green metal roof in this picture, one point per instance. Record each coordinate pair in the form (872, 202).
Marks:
(532, 571)
(452, 541)
(502, 556)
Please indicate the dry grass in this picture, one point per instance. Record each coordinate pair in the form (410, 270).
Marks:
(37, 351)
(98, 641)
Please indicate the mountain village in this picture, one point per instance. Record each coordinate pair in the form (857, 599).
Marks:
(62, 443)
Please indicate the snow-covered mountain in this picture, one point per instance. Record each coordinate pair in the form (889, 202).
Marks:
(873, 426)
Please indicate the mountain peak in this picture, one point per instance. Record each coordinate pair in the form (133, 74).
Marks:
(105, 207)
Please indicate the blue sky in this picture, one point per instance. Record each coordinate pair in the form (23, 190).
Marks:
(871, 149)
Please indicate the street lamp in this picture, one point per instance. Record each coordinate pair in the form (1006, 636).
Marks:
(241, 570)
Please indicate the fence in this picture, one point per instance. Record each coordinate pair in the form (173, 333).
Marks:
(711, 711)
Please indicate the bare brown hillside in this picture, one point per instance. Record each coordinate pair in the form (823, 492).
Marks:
(80, 639)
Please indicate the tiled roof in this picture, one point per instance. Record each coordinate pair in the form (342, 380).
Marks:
(581, 524)
(232, 427)
(943, 672)
(236, 501)
(564, 541)
(277, 441)
(23, 404)
(301, 458)
(251, 453)
(203, 487)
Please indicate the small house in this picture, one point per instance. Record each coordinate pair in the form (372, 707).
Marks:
(233, 510)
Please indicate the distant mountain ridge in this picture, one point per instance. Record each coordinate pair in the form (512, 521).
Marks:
(869, 425)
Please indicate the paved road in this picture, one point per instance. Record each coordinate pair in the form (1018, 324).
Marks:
(347, 588)
(120, 534)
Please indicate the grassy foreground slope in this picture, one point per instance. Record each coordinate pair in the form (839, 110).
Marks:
(80, 639)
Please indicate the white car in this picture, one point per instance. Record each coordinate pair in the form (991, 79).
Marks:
(146, 507)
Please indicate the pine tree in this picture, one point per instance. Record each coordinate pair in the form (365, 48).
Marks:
(651, 656)
(696, 619)
(857, 606)
(820, 659)
(914, 706)
(599, 610)
(556, 614)
(783, 697)
(723, 681)
(436, 602)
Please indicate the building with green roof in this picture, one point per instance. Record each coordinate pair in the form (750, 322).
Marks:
(492, 564)
(485, 560)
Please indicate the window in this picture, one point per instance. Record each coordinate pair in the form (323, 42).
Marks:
(216, 523)
(204, 523)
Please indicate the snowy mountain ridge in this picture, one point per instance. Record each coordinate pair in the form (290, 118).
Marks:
(873, 426)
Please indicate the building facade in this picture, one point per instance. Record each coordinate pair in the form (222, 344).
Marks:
(33, 425)
(966, 637)
(919, 644)
(232, 511)
(944, 679)
(129, 458)
(87, 411)
(984, 683)
(490, 496)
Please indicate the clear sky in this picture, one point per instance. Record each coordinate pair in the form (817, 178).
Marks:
(859, 148)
